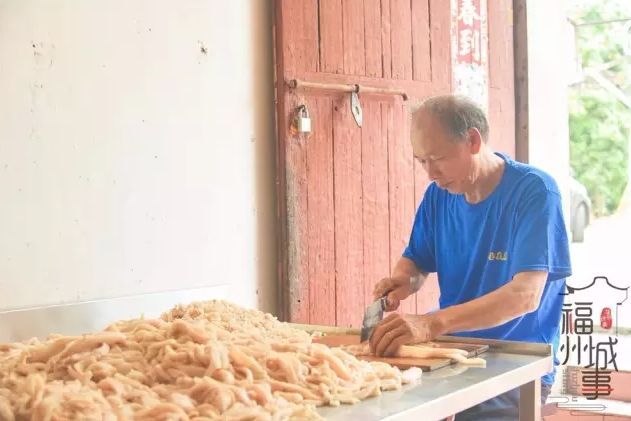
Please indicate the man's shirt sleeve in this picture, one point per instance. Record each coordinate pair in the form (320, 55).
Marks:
(540, 237)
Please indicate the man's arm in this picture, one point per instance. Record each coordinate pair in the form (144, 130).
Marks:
(407, 268)
(543, 255)
(520, 296)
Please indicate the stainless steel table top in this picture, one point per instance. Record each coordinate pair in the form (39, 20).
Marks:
(93, 316)
(446, 391)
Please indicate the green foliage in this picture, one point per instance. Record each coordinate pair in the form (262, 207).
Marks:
(599, 123)
(599, 147)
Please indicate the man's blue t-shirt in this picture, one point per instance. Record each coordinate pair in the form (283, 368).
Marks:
(477, 248)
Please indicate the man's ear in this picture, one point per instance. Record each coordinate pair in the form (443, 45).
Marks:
(475, 140)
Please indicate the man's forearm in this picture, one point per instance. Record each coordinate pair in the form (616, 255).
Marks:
(494, 309)
(407, 268)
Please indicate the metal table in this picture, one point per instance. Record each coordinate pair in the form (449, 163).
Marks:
(449, 390)
(439, 394)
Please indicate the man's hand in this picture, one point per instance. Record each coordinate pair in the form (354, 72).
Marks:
(397, 330)
(398, 289)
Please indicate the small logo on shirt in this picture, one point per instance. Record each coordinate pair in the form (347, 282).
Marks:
(497, 255)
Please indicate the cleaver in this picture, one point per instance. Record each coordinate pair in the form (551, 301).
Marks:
(374, 312)
(372, 316)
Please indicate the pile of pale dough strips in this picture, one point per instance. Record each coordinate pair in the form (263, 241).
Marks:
(421, 351)
(206, 361)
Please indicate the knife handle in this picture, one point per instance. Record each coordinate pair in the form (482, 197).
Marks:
(416, 282)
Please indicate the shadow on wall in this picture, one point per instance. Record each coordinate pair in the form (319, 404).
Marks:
(262, 74)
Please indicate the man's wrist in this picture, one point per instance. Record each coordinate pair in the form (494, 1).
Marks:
(438, 323)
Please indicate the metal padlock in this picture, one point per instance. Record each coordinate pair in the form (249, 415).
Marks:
(304, 122)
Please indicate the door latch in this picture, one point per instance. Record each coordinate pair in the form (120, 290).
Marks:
(356, 107)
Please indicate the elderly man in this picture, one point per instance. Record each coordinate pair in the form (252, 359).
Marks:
(493, 230)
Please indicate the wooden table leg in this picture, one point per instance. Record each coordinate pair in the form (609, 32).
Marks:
(530, 401)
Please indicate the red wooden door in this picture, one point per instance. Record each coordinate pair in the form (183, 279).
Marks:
(347, 194)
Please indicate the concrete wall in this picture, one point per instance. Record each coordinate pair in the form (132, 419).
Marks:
(136, 149)
(548, 76)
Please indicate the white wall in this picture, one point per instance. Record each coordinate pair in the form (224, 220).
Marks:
(136, 149)
(548, 76)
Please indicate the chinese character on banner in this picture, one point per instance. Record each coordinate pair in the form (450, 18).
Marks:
(596, 383)
(469, 32)
(580, 342)
(470, 49)
(468, 12)
(584, 325)
(466, 39)
(600, 356)
(605, 355)
(470, 43)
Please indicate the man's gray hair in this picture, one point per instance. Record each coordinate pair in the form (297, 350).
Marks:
(456, 113)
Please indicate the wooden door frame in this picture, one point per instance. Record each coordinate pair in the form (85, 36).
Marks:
(520, 54)
(280, 88)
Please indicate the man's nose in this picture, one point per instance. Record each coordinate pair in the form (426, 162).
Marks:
(432, 173)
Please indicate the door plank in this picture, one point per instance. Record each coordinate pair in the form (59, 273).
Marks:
(348, 215)
(440, 18)
(386, 39)
(298, 34)
(401, 190)
(331, 36)
(427, 298)
(421, 181)
(501, 76)
(421, 66)
(296, 193)
(500, 35)
(353, 28)
(372, 41)
(321, 217)
(410, 199)
(376, 227)
(401, 31)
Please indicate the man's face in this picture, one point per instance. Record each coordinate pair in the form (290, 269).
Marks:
(447, 161)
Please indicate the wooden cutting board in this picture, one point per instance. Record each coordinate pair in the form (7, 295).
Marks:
(426, 364)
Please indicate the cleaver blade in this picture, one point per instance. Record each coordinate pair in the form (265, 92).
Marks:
(372, 316)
